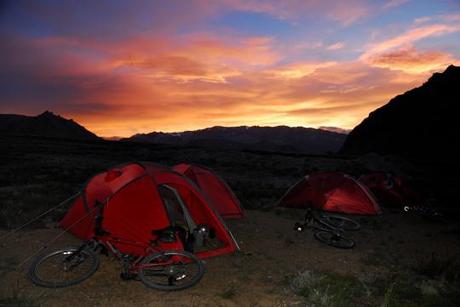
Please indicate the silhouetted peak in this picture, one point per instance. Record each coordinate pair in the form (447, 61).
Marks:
(48, 114)
(46, 124)
(420, 122)
(452, 68)
(450, 72)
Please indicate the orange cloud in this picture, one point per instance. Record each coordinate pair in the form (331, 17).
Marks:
(408, 38)
(334, 95)
(197, 57)
(398, 53)
(413, 61)
(298, 70)
(154, 83)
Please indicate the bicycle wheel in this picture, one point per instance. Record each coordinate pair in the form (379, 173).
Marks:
(341, 222)
(63, 268)
(171, 270)
(334, 239)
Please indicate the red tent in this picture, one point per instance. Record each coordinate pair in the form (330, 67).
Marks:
(390, 190)
(131, 201)
(331, 191)
(220, 194)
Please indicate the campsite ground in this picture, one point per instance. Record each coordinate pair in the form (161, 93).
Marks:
(399, 260)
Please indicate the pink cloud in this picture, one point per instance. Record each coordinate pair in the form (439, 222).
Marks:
(422, 20)
(349, 12)
(408, 38)
(411, 60)
(394, 3)
(344, 12)
(336, 46)
(158, 83)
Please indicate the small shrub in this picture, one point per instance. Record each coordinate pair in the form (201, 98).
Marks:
(8, 264)
(429, 288)
(16, 297)
(328, 289)
(435, 267)
(388, 298)
(228, 294)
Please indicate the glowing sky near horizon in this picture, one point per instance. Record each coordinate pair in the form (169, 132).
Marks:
(126, 67)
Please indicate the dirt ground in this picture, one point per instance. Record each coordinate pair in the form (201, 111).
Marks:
(399, 259)
(259, 275)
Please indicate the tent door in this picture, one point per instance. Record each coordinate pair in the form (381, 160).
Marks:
(175, 206)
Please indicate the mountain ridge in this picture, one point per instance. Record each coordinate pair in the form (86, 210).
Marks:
(419, 122)
(279, 138)
(46, 124)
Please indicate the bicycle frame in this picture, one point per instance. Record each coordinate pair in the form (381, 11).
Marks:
(324, 231)
(132, 263)
(311, 217)
(162, 258)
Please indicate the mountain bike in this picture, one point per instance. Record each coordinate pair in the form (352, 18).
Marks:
(157, 268)
(423, 210)
(329, 228)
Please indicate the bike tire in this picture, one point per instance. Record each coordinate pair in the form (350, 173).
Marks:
(89, 257)
(340, 222)
(190, 260)
(329, 238)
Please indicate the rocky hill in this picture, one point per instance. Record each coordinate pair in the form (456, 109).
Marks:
(46, 124)
(420, 122)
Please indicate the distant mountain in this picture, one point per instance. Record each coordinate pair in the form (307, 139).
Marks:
(420, 122)
(335, 129)
(281, 138)
(46, 124)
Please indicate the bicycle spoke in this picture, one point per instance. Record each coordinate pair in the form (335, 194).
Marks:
(179, 270)
(63, 268)
(155, 272)
(338, 222)
(334, 239)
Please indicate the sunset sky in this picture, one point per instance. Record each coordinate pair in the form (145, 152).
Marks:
(126, 67)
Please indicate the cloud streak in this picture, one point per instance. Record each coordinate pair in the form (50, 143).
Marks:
(413, 61)
(409, 37)
(345, 13)
(336, 46)
(394, 3)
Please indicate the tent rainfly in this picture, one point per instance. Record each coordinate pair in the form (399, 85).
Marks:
(331, 191)
(215, 188)
(132, 201)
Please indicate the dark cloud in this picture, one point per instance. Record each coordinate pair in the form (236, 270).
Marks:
(319, 110)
